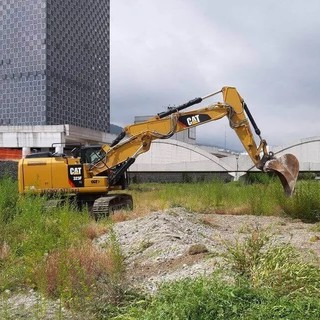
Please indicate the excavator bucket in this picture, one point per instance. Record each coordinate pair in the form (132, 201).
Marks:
(287, 169)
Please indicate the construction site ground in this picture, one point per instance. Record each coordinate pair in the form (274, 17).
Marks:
(175, 244)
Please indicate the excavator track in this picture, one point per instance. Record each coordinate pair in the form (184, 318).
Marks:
(104, 206)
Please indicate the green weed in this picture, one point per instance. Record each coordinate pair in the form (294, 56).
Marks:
(305, 203)
(8, 199)
(264, 265)
(214, 298)
(51, 250)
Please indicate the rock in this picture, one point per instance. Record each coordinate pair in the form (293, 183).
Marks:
(197, 248)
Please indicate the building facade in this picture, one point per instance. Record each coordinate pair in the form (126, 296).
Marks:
(54, 63)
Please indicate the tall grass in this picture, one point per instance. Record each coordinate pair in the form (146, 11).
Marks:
(31, 233)
(8, 199)
(256, 198)
(214, 298)
(305, 203)
(51, 250)
(278, 267)
(203, 197)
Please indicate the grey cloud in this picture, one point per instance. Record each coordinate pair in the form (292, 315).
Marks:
(167, 52)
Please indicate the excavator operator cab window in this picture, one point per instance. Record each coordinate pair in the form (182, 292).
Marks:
(91, 154)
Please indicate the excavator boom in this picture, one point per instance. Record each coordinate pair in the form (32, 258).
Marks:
(165, 124)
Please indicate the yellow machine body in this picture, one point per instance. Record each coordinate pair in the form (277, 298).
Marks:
(59, 175)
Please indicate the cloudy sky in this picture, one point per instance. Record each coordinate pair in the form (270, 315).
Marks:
(166, 52)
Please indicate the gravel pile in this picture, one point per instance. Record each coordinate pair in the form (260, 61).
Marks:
(161, 236)
(165, 246)
(175, 244)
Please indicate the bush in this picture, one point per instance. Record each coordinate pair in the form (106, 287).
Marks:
(81, 274)
(280, 268)
(304, 204)
(8, 199)
(258, 177)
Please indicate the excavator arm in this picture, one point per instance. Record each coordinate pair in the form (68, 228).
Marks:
(121, 154)
(286, 167)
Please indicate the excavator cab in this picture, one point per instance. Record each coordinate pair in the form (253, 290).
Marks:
(88, 154)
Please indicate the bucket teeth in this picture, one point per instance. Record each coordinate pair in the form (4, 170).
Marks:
(287, 169)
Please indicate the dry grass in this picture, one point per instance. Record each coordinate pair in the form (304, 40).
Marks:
(4, 251)
(76, 270)
(140, 210)
(239, 210)
(210, 221)
(94, 230)
(120, 216)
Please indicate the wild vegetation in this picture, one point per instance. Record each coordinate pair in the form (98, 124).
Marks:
(257, 195)
(50, 251)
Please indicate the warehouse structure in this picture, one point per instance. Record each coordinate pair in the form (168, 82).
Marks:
(168, 156)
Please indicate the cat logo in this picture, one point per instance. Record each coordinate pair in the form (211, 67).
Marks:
(75, 175)
(75, 171)
(193, 120)
(190, 120)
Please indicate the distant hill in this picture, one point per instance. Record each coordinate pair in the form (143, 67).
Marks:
(115, 129)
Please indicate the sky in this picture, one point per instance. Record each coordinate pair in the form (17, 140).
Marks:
(167, 52)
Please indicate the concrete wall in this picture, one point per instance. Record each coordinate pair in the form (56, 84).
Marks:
(45, 136)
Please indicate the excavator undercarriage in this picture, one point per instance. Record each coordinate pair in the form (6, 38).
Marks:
(110, 203)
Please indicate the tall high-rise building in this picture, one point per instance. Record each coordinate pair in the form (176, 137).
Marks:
(54, 63)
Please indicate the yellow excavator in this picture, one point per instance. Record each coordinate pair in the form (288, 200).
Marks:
(93, 174)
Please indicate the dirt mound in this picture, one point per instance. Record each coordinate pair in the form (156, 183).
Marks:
(175, 244)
